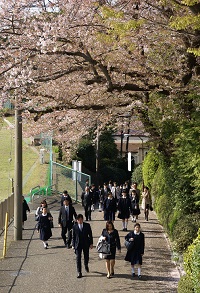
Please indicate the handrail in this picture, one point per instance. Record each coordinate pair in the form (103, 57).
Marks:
(50, 186)
(32, 195)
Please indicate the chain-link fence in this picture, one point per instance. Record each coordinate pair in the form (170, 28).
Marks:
(65, 178)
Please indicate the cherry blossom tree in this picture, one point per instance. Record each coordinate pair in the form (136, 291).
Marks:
(70, 64)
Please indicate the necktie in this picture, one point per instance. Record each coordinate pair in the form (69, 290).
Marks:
(67, 213)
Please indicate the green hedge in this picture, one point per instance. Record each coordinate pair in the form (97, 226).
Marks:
(185, 285)
(191, 281)
(150, 166)
(185, 230)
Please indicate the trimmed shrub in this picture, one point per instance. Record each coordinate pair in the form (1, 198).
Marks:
(150, 166)
(192, 263)
(164, 209)
(137, 175)
(185, 231)
(185, 285)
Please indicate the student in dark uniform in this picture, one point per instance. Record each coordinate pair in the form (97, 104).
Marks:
(44, 226)
(25, 208)
(64, 196)
(82, 241)
(65, 220)
(109, 207)
(111, 235)
(134, 256)
(124, 206)
(87, 200)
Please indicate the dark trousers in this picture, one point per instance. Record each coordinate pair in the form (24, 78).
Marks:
(78, 258)
(67, 229)
(87, 209)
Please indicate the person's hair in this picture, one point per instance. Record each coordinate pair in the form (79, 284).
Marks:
(137, 224)
(133, 191)
(43, 202)
(109, 223)
(66, 199)
(146, 187)
(79, 216)
(65, 192)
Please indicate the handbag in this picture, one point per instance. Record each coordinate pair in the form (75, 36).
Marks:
(151, 208)
(103, 247)
(102, 255)
(129, 245)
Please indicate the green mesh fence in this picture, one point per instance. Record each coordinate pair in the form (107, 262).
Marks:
(65, 178)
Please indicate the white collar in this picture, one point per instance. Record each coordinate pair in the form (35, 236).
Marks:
(136, 233)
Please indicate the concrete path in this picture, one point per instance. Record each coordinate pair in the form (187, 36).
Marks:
(29, 268)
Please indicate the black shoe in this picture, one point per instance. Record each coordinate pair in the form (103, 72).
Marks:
(139, 277)
(87, 269)
(133, 274)
(112, 274)
(79, 275)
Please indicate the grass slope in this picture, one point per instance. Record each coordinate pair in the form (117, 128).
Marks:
(33, 172)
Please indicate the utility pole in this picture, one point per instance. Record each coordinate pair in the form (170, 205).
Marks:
(97, 156)
(18, 176)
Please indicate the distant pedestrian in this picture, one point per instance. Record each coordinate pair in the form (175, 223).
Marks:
(66, 216)
(146, 201)
(124, 205)
(109, 207)
(25, 208)
(82, 241)
(111, 235)
(44, 226)
(135, 211)
(134, 256)
(116, 192)
(87, 201)
(65, 195)
(38, 211)
(134, 186)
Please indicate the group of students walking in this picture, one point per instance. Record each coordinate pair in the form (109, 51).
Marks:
(77, 234)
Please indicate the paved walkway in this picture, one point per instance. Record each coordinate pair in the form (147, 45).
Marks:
(29, 268)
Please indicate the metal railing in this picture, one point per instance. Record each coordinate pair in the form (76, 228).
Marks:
(6, 206)
(34, 191)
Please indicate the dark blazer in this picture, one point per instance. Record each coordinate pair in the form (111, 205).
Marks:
(86, 236)
(87, 199)
(62, 218)
(25, 208)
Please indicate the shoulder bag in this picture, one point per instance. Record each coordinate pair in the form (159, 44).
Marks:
(129, 245)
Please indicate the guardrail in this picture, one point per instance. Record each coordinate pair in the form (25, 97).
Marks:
(6, 206)
(50, 188)
(35, 191)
